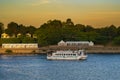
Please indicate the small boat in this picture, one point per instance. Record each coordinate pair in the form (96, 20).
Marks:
(67, 55)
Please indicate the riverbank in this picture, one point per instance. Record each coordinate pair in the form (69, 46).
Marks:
(44, 50)
(89, 49)
(101, 50)
(20, 51)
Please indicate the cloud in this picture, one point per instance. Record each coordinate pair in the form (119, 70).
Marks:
(40, 2)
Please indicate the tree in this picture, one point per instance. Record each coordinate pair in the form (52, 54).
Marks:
(89, 28)
(80, 27)
(28, 40)
(109, 32)
(86, 36)
(112, 32)
(12, 29)
(69, 23)
(117, 40)
(49, 33)
(101, 40)
(68, 33)
(10, 40)
(31, 30)
(54, 23)
(0, 42)
(41, 35)
(48, 36)
(22, 29)
(118, 31)
(53, 31)
(1, 28)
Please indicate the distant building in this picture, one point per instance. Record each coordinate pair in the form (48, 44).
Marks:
(18, 35)
(62, 43)
(13, 36)
(28, 35)
(75, 43)
(4, 35)
(31, 45)
(34, 36)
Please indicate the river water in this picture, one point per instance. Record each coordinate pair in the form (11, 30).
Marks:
(96, 67)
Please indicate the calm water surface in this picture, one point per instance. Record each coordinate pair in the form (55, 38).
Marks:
(96, 67)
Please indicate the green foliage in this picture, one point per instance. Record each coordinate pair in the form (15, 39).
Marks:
(12, 29)
(8, 51)
(1, 28)
(10, 40)
(25, 39)
(101, 40)
(48, 36)
(53, 31)
(22, 29)
(0, 42)
(118, 31)
(28, 40)
(69, 22)
(31, 30)
(68, 33)
(89, 28)
(117, 40)
(109, 32)
(80, 27)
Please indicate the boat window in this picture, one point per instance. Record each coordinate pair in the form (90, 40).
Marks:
(85, 54)
(80, 53)
(74, 54)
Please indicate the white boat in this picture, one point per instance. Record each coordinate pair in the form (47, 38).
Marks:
(67, 55)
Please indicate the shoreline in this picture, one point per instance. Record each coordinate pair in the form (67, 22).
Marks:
(45, 50)
(20, 54)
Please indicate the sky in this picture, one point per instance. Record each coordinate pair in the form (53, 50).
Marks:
(97, 13)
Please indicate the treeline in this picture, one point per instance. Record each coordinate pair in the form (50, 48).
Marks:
(13, 30)
(53, 31)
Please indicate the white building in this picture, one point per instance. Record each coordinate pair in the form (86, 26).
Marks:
(4, 35)
(31, 45)
(62, 43)
(18, 35)
(75, 43)
(28, 35)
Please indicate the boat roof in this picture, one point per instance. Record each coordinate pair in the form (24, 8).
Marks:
(77, 42)
(68, 51)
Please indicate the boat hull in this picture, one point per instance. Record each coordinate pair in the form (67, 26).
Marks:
(66, 58)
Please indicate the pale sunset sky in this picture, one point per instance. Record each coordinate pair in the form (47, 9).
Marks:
(97, 13)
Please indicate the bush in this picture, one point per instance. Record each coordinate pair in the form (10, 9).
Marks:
(28, 40)
(117, 40)
(8, 51)
(10, 40)
(0, 42)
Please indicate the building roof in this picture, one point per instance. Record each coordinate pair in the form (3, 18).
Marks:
(61, 41)
(4, 34)
(77, 42)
